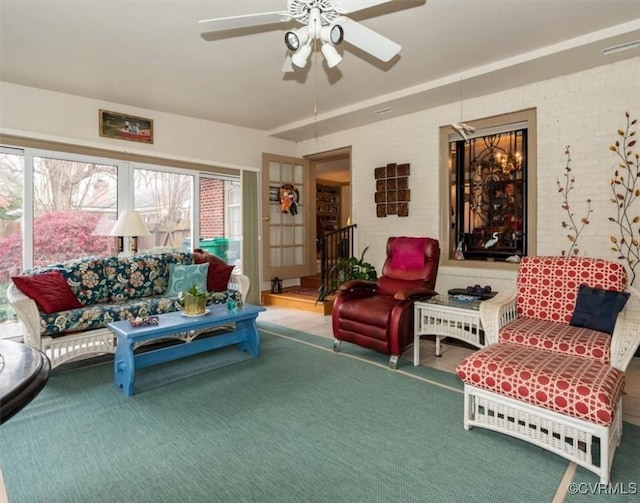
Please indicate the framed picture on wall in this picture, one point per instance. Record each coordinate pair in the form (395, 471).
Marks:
(125, 127)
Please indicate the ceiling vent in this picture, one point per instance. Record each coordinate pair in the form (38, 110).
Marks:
(621, 47)
(383, 111)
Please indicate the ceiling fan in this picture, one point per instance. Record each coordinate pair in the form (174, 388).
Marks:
(323, 22)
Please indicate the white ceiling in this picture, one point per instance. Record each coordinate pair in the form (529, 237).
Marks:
(150, 54)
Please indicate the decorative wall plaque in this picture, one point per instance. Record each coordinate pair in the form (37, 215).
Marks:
(392, 190)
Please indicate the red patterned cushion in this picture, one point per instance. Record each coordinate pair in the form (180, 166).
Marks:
(571, 385)
(548, 286)
(558, 337)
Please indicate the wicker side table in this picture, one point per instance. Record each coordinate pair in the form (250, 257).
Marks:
(446, 316)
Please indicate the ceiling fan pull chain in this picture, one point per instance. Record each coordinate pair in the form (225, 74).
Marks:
(315, 63)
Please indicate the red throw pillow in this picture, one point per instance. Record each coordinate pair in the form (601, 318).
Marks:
(200, 257)
(219, 272)
(218, 277)
(49, 290)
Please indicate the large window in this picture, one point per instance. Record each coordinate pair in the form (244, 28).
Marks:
(74, 207)
(489, 190)
(58, 206)
(221, 218)
(164, 199)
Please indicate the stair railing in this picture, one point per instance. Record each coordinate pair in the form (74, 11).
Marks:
(333, 246)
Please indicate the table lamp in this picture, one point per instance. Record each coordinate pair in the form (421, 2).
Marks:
(130, 224)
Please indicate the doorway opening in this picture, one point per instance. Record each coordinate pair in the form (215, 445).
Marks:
(329, 192)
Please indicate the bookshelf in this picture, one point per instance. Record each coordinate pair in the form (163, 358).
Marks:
(328, 206)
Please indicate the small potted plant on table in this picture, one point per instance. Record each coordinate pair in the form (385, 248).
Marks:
(194, 301)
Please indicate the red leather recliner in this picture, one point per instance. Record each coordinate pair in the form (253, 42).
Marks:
(379, 314)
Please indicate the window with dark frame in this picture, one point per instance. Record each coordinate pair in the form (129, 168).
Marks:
(488, 191)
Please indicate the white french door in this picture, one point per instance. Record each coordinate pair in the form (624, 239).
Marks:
(288, 250)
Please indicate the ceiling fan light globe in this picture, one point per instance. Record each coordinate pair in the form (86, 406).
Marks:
(330, 54)
(296, 39)
(333, 34)
(301, 56)
(336, 35)
(292, 41)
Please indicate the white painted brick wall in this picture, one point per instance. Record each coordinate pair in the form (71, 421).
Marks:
(583, 110)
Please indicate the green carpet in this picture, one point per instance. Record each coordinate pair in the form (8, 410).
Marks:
(299, 424)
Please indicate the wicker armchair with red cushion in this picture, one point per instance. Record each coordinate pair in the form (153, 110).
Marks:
(568, 305)
(379, 314)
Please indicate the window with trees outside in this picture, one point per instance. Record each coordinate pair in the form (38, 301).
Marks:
(489, 192)
(164, 200)
(58, 206)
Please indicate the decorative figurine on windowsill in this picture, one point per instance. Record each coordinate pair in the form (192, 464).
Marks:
(492, 242)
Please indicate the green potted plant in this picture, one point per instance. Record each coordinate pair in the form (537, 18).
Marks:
(346, 269)
(194, 301)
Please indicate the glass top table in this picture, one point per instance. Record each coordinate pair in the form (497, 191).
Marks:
(447, 316)
(453, 301)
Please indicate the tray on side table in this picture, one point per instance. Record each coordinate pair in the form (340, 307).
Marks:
(463, 291)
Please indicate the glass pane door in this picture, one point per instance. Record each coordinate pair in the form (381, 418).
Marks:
(221, 218)
(164, 201)
(286, 218)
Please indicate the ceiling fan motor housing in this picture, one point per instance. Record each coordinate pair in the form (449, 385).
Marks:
(300, 10)
(319, 25)
(331, 34)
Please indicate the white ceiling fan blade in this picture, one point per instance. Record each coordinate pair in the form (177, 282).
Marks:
(348, 6)
(369, 41)
(229, 23)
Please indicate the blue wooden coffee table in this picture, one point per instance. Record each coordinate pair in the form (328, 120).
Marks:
(242, 331)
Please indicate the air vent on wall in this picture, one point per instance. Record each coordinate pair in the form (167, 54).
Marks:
(621, 47)
(383, 111)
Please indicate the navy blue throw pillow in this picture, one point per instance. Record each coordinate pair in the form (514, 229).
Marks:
(598, 309)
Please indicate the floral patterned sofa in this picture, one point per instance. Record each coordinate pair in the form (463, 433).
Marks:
(102, 290)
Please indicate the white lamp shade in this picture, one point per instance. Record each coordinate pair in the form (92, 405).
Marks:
(130, 223)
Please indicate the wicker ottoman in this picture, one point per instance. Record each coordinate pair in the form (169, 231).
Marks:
(556, 401)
